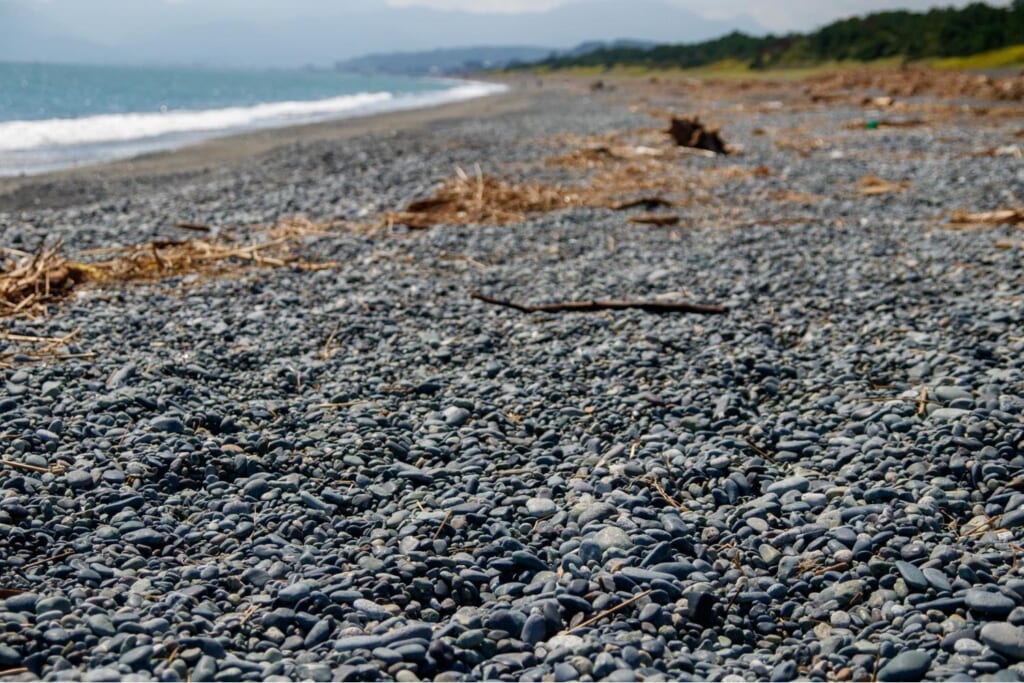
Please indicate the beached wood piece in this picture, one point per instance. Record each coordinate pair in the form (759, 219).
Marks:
(659, 307)
(965, 219)
(647, 203)
(690, 132)
(658, 219)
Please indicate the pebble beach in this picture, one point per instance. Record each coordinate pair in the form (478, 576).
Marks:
(331, 463)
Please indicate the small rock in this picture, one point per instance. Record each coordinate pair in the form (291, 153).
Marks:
(989, 604)
(906, 666)
(541, 507)
(612, 537)
(1006, 639)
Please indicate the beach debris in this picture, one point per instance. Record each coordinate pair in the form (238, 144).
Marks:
(466, 199)
(965, 219)
(1015, 151)
(871, 185)
(597, 86)
(690, 132)
(655, 306)
(658, 219)
(30, 282)
(194, 227)
(879, 124)
(646, 203)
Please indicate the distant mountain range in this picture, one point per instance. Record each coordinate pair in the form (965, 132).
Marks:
(300, 32)
(461, 60)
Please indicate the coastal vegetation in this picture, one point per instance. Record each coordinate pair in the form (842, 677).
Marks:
(989, 36)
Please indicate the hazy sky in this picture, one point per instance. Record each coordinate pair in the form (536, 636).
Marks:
(777, 15)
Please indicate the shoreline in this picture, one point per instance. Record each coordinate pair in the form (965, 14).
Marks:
(220, 154)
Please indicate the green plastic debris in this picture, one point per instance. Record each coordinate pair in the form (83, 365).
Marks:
(871, 125)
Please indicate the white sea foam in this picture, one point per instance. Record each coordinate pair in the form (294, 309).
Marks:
(123, 132)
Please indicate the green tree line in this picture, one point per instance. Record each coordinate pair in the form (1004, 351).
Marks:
(940, 32)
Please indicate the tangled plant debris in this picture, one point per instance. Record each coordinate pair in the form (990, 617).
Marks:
(30, 282)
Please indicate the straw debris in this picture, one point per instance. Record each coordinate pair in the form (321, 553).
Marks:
(871, 186)
(964, 219)
(29, 283)
(465, 200)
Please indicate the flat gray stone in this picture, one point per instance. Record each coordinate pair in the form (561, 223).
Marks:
(1004, 638)
(541, 507)
(906, 666)
(613, 537)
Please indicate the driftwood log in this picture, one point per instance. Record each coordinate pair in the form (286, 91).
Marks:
(692, 133)
(660, 307)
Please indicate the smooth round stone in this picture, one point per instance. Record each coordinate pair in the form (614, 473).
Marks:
(79, 479)
(794, 483)
(56, 603)
(56, 636)
(968, 647)
(906, 666)
(455, 416)
(292, 594)
(541, 507)
(1006, 639)
(613, 537)
(101, 625)
(591, 512)
(989, 603)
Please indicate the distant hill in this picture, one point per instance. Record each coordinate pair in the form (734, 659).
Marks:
(940, 32)
(27, 35)
(464, 59)
(299, 32)
(443, 61)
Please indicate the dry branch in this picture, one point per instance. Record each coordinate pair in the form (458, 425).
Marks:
(690, 132)
(660, 219)
(998, 217)
(870, 186)
(643, 202)
(659, 307)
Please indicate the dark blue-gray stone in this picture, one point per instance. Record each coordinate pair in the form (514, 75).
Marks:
(906, 666)
(989, 603)
(914, 577)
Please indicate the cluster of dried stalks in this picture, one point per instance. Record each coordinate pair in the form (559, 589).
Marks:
(31, 282)
(870, 186)
(966, 219)
(483, 199)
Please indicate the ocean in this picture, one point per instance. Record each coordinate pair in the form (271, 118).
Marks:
(58, 116)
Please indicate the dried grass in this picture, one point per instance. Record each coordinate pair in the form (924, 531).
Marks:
(465, 200)
(871, 186)
(964, 219)
(29, 283)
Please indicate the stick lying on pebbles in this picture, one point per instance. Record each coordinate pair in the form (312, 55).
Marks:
(966, 219)
(658, 219)
(466, 199)
(592, 306)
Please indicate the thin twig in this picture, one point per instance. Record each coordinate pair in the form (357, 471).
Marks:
(922, 401)
(591, 306)
(48, 560)
(447, 517)
(196, 227)
(25, 466)
(14, 672)
(609, 612)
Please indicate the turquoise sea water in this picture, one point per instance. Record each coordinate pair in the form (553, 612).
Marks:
(53, 116)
